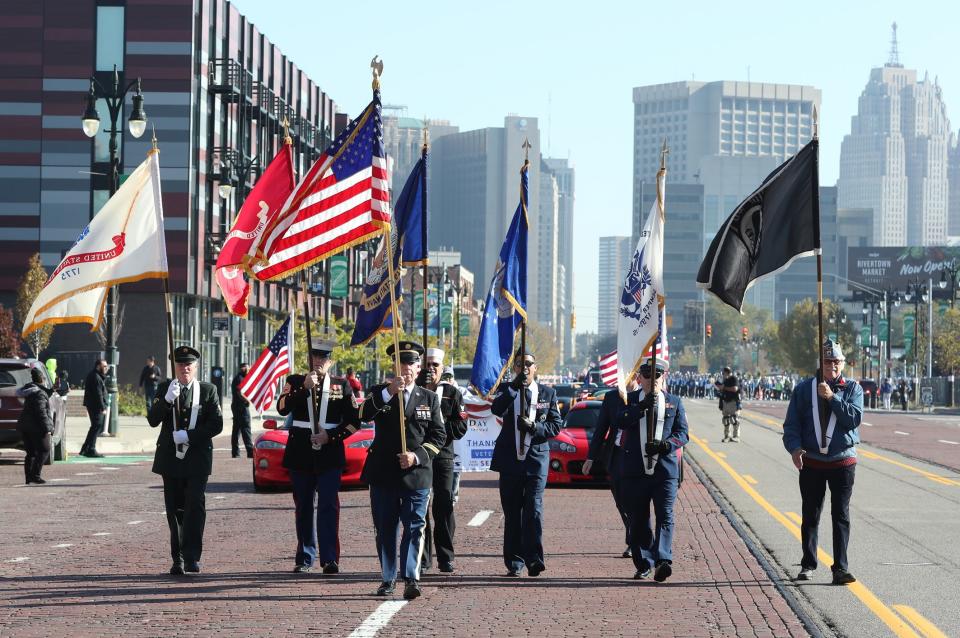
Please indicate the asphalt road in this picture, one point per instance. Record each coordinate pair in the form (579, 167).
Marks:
(905, 518)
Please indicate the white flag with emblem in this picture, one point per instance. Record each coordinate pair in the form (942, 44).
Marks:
(123, 243)
(642, 297)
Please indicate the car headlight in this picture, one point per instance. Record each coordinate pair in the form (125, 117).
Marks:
(270, 445)
(361, 444)
(562, 446)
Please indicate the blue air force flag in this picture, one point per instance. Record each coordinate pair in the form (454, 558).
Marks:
(506, 306)
(408, 239)
(643, 298)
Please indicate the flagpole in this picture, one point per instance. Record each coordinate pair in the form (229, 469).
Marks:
(523, 322)
(377, 68)
(423, 237)
(306, 320)
(653, 412)
(819, 252)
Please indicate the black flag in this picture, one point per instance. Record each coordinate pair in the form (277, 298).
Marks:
(777, 223)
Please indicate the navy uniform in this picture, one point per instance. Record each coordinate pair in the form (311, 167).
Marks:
(189, 417)
(523, 477)
(315, 471)
(639, 486)
(400, 495)
(455, 421)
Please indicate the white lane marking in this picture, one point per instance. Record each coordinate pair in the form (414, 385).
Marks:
(869, 425)
(18, 559)
(480, 518)
(134, 522)
(948, 442)
(62, 545)
(219, 498)
(378, 619)
(57, 480)
(102, 534)
(901, 433)
(86, 473)
(109, 469)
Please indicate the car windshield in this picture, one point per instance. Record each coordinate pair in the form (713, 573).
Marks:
(565, 390)
(14, 376)
(584, 418)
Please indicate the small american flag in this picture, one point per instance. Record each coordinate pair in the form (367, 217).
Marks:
(260, 384)
(341, 201)
(608, 369)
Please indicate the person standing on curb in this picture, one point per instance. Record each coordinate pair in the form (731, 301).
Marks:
(149, 379)
(820, 432)
(95, 400)
(240, 408)
(35, 425)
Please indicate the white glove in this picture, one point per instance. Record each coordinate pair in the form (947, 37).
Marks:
(173, 391)
(180, 437)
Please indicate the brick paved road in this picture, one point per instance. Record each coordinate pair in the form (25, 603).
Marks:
(111, 580)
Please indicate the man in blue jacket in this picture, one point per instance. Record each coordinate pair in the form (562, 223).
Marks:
(656, 482)
(521, 455)
(820, 432)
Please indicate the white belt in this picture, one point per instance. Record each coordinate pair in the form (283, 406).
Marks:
(307, 425)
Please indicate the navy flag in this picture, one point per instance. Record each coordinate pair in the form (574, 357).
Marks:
(777, 223)
(506, 305)
(408, 239)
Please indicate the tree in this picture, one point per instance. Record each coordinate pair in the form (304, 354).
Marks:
(725, 347)
(30, 286)
(946, 341)
(798, 334)
(542, 343)
(9, 335)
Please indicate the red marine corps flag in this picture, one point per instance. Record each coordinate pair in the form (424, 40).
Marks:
(258, 212)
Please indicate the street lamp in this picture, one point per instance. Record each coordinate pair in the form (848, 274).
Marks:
(953, 269)
(114, 97)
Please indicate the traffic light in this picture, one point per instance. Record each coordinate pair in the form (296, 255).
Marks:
(709, 331)
(744, 333)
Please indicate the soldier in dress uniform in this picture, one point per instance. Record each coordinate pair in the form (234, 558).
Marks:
(521, 455)
(188, 413)
(316, 460)
(400, 481)
(639, 484)
(455, 420)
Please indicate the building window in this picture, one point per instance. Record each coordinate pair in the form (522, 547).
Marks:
(109, 38)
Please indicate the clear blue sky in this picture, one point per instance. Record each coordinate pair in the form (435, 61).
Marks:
(573, 65)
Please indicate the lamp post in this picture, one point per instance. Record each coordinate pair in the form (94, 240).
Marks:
(953, 269)
(114, 97)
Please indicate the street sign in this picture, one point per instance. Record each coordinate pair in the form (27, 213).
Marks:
(908, 324)
(464, 325)
(865, 336)
(338, 276)
(221, 326)
(884, 326)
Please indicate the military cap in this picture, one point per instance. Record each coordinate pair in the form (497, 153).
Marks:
(185, 354)
(410, 352)
(832, 351)
(322, 346)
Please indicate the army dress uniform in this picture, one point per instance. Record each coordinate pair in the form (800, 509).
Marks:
(185, 469)
(639, 486)
(317, 472)
(524, 477)
(397, 495)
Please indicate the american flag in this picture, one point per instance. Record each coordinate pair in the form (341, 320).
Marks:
(608, 369)
(260, 384)
(341, 201)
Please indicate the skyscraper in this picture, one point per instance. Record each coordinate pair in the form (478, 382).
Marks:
(895, 158)
(615, 253)
(565, 175)
(403, 141)
(953, 177)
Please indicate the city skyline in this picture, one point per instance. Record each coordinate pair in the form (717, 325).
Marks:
(582, 95)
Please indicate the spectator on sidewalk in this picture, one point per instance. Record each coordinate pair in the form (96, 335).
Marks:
(95, 400)
(886, 392)
(826, 455)
(902, 389)
(35, 425)
(241, 415)
(61, 385)
(149, 378)
(354, 382)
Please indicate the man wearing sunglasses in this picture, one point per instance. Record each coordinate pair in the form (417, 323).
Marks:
(440, 531)
(820, 432)
(521, 455)
(656, 481)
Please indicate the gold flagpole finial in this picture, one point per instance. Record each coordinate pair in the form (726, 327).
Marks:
(526, 150)
(426, 134)
(816, 123)
(376, 65)
(286, 131)
(153, 139)
(664, 151)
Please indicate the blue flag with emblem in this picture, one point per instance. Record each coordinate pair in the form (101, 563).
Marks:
(408, 238)
(506, 306)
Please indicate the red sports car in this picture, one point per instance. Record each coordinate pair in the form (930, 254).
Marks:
(268, 470)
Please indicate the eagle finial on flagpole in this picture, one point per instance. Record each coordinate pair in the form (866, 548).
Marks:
(286, 131)
(526, 150)
(376, 65)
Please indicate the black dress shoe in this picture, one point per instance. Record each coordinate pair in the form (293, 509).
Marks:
(235, 455)
(38, 481)
(513, 573)
(386, 588)
(536, 568)
(331, 568)
(627, 553)
(662, 572)
(192, 568)
(843, 577)
(642, 574)
(92, 454)
(302, 569)
(446, 568)
(177, 569)
(411, 590)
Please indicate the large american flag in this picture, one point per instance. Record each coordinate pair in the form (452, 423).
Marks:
(260, 385)
(341, 201)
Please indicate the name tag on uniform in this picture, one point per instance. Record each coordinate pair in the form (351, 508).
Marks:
(543, 405)
(423, 413)
(336, 392)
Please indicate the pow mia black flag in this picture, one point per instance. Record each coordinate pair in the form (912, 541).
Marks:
(777, 223)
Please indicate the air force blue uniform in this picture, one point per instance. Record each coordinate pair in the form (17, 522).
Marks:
(638, 489)
(522, 481)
